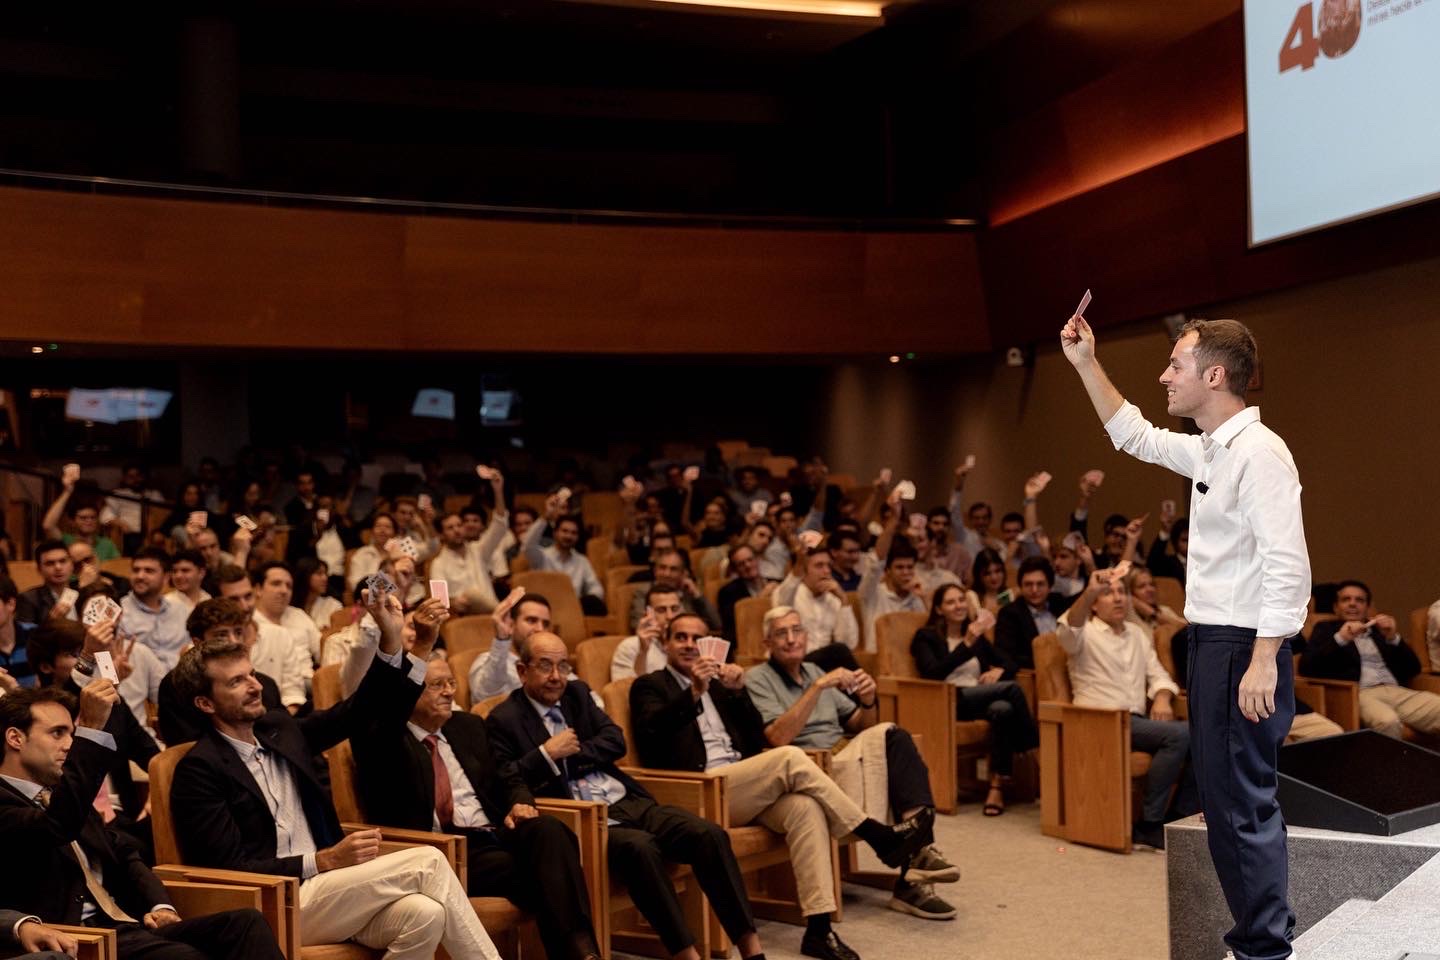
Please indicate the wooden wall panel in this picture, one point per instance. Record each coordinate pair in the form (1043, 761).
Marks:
(129, 270)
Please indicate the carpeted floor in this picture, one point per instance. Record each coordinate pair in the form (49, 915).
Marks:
(1022, 895)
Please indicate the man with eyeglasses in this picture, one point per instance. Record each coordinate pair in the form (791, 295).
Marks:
(562, 745)
(436, 771)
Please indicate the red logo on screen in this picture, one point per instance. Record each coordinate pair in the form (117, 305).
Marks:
(1338, 28)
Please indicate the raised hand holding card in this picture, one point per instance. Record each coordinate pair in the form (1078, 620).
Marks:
(905, 489)
(245, 523)
(810, 539)
(198, 518)
(94, 611)
(105, 666)
(440, 590)
(886, 475)
(785, 499)
(68, 596)
(969, 461)
(691, 474)
(757, 508)
(1084, 302)
(380, 585)
(563, 494)
(423, 502)
(69, 474)
(322, 516)
(486, 473)
(1094, 477)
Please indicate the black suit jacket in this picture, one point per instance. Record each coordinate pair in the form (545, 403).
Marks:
(665, 722)
(42, 875)
(33, 606)
(517, 733)
(133, 743)
(1325, 658)
(221, 815)
(395, 779)
(1015, 628)
(181, 722)
(934, 660)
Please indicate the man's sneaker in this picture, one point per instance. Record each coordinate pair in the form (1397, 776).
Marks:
(1148, 833)
(828, 947)
(910, 836)
(929, 867)
(919, 900)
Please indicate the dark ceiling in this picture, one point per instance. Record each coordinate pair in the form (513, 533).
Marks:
(561, 104)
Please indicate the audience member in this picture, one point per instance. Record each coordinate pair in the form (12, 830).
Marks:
(493, 672)
(1145, 608)
(207, 542)
(1173, 536)
(273, 650)
(183, 522)
(1432, 635)
(300, 511)
(147, 614)
(139, 669)
(269, 813)
(952, 647)
(1035, 611)
(745, 582)
(747, 491)
(1369, 649)
(846, 548)
(946, 553)
(435, 770)
(564, 746)
(75, 515)
(931, 575)
(214, 621)
(87, 569)
(644, 652)
(831, 633)
(562, 555)
(14, 663)
(971, 527)
(779, 551)
(667, 570)
(465, 565)
(49, 598)
(891, 587)
(33, 938)
(417, 525)
(126, 502)
(1113, 665)
(878, 766)
(274, 586)
(312, 583)
(987, 579)
(187, 573)
(55, 756)
(1073, 563)
(694, 714)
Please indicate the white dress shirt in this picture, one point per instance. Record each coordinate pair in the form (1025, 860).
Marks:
(1115, 669)
(827, 619)
(627, 651)
(877, 598)
(576, 565)
(279, 657)
(719, 749)
(467, 570)
(468, 812)
(1248, 564)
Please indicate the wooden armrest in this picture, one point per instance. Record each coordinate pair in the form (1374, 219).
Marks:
(1181, 704)
(599, 626)
(824, 759)
(95, 943)
(195, 899)
(1053, 711)
(702, 794)
(279, 897)
(587, 820)
(1337, 699)
(1429, 682)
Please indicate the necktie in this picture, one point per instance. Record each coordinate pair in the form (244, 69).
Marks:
(103, 805)
(444, 793)
(557, 723)
(98, 893)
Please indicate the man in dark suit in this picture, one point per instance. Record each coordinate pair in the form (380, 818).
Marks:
(436, 772)
(695, 715)
(1037, 610)
(213, 621)
(747, 582)
(52, 559)
(34, 940)
(1370, 651)
(247, 797)
(562, 745)
(75, 869)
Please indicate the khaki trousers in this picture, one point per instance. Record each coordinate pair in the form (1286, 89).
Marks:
(784, 790)
(1309, 726)
(1387, 708)
(406, 903)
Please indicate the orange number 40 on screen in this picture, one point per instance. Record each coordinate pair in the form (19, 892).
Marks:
(1334, 34)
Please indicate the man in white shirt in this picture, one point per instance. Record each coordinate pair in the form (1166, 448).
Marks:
(466, 565)
(147, 614)
(187, 572)
(274, 586)
(824, 611)
(1246, 591)
(892, 587)
(275, 652)
(644, 652)
(562, 555)
(493, 672)
(1113, 665)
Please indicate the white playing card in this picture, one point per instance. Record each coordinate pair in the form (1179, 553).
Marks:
(406, 547)
(1073, 541)
(1120, 569)
(105, 665)
(198, 518)
(322, 515)
(785, 499)
(1084, 302)
(423, 502)
(94, 610)
(245, 523)
(758, 508)
(563, 494)
(691, 474)
(969, 461)
(440, 590)
(905, 489)
(380, 585)
(68, 596)
(810, 539)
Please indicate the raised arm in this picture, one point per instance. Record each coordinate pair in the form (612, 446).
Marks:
(51, 523)
(1078, 342)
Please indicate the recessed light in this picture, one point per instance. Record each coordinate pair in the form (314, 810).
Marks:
(37, 349)
(894, 358)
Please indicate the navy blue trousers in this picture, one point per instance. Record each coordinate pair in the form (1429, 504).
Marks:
(1234, 762)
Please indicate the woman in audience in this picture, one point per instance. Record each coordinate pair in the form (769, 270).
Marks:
(952, 647)
(987, 577)
(312, 584)
(1145, 609)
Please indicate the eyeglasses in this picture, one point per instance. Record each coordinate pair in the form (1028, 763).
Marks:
(446, 684)
(781, 632)
(546, 667)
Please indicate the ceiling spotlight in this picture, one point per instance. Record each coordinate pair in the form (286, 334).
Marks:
(894, 357)
(37, 349)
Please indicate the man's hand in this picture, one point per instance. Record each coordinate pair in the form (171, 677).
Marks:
(362, 846)
(1386, 625)
(1257, 687)
(121, 657)
(831, 586)
(554, 509)
(87, 574)
(839, 677)
(389, 616)
(1077, 340)
(61, 609)
(504, 622)
(1163, 707)
(521, 811)
(428, 618)
(647, 631)
(97, 699)
(1351, 630)
(98, 636)
(1135, 528)
(963, 471)
(992, 675)
(563, 744)
(862, 687)
(1036, 484)
(687, 583)
(701, 674)
(8, 684)
(1086, 555)
(35, 937)
(732, 676)
(156, 919)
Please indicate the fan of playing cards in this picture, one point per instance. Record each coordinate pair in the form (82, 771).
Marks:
(714, 648)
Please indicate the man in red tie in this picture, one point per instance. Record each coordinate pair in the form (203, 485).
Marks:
(436, 772)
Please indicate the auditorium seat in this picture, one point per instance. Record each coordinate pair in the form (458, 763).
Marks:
(592, 660)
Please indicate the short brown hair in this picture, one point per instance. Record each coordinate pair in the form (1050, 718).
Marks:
(189, 675)
(1228, 344)
(218, 612)
(15, 708)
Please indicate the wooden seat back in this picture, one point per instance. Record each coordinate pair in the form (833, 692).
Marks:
(162, 824)
(474, 632)
(1052, 671)
(616, 695)
(566, 617)
(750, 626)
(893, 633)
(592, 659)
(325, 689)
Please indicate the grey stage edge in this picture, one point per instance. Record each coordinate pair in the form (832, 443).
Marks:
(1327, 868)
